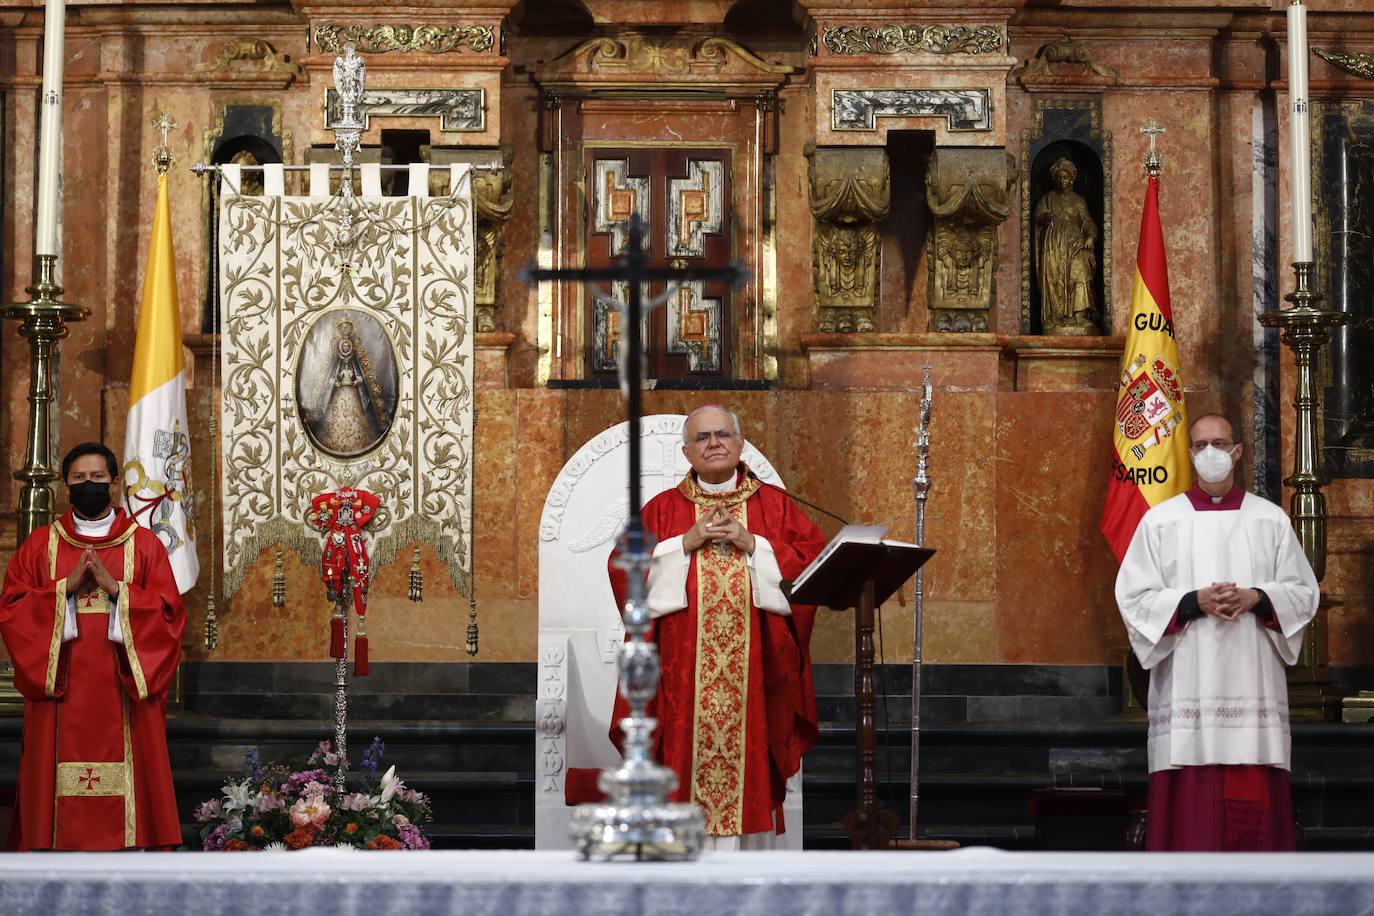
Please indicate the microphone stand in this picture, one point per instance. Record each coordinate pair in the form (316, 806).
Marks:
(790, 495)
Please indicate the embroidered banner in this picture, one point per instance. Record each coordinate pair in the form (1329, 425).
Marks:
(346, 356)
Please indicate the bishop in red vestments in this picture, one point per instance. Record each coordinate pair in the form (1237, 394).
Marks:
(92, 619)
(735, 705)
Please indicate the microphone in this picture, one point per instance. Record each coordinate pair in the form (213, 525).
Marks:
(749, 472)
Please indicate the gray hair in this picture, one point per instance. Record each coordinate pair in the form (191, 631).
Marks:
(734, 419)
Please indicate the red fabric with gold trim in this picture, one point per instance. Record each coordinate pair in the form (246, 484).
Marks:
(780, 714)
(94, 772)
(341, 515)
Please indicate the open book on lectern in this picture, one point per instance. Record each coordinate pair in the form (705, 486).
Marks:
(858, 553)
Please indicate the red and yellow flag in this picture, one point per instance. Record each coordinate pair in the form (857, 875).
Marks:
(1150, 461)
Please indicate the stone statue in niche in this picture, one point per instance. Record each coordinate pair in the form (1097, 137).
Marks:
(969, 193)
(346, 384)
(1065, 256)
(493, 198)
(850, 194)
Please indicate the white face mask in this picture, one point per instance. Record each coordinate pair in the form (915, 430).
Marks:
(1212, 464)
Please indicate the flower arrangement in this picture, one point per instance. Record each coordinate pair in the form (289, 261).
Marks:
(278, 807)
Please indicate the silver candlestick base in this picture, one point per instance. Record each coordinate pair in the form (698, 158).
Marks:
(638, 819)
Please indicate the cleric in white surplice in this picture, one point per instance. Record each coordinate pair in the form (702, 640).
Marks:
(1215, 591)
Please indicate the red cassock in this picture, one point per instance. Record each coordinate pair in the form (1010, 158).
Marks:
(736, 705)
(94, 772)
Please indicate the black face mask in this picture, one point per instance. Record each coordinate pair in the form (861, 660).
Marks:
(90, 498)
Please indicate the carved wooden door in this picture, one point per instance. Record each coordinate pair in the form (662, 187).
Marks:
(683, 195)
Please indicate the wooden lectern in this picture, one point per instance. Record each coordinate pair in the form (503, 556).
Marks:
(860, 570)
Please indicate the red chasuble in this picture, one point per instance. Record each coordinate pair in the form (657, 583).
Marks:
(94, 772)
(736, 706)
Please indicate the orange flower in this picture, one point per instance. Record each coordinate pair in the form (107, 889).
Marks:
(299, 838)
(257, 830)
(350, 827)
(381, 841)
(235, 846)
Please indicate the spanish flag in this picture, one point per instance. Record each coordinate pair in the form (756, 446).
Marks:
(157, 445)
(1150, 461)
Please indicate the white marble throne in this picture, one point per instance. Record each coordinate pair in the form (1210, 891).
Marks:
(579, 623)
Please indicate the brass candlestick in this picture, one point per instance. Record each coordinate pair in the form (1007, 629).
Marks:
(43, 323)
(1305, 329)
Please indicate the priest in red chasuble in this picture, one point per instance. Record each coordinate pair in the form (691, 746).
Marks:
(735, 705)
(92, 619)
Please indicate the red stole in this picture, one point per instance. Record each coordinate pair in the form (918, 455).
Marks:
(94, 772)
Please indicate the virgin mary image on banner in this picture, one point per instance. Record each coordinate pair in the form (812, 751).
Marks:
(346, 383)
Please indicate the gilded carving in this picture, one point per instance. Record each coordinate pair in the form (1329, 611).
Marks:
(251, 49)
(664, 56)
(1063, 50)
(850, 194)
(379, 39)
(1352, 62)
(969, 193)
(1065, 256)
(912, 39)
(493, 198)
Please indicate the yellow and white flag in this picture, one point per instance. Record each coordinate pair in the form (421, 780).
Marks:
(157, 445)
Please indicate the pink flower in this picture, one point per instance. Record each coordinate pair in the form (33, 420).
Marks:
(411, 838)
(208, 811)
(400, 820)
(411, 795)
(355, 801)
(310, 812)
(325, 751)
(268, 801)
(313, 788)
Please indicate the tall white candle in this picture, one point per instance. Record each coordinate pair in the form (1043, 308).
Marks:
(50, 127)
(1300, 132)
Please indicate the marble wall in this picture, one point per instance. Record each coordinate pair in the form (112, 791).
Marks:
(1021, 424)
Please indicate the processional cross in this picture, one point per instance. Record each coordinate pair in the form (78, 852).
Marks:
(638, 818)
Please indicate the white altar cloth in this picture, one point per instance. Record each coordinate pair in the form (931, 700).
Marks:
(477, 883)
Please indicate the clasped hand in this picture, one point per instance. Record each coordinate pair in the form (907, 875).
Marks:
(718, 525)
(1225, 601)
(90, 569)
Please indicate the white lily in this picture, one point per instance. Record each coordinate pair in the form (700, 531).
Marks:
(390, 786)
(237, 795)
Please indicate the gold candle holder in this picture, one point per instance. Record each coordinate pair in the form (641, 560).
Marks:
(43, 323)
(1305, 329)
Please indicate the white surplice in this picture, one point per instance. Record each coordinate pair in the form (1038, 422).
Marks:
(1218, 693)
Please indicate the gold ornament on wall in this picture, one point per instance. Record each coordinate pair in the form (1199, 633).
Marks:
(493, 199)
(850, 194)
(969, 193)
(1352, 62)
(379, 39)
(1064, 50)
(913, 39)
(250, 49)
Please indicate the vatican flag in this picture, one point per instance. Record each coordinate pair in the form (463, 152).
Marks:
(1150, 462)
(157, 447)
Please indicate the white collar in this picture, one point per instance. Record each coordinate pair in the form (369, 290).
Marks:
(725, 486)
(96, 527)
